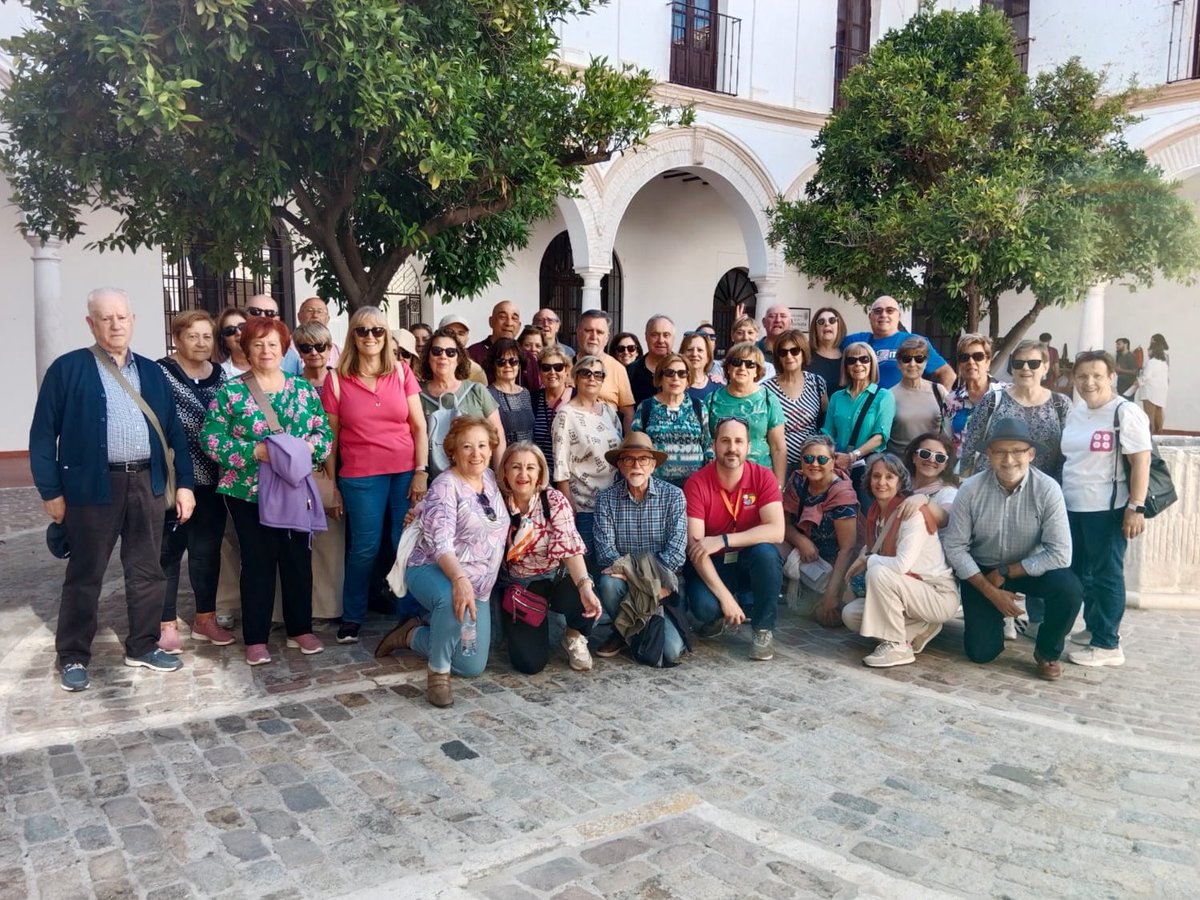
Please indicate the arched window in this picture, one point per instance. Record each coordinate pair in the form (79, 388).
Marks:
(734, 288)
(560, 287)
(403, 295)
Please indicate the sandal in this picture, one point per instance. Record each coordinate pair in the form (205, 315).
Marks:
(397, 638)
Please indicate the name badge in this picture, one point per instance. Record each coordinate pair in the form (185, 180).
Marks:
(731, 557)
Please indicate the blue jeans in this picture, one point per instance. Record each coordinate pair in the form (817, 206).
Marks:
(585, 523)
(611, 592)
(1098, 559)
(367, 499)
(439, 640)
(758, 567)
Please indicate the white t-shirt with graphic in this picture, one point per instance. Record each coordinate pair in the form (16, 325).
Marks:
(1089, 445)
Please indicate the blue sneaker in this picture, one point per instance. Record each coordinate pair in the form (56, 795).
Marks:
(75, 677)
(157, 660)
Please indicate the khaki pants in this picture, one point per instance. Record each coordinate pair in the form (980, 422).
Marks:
(898, 607)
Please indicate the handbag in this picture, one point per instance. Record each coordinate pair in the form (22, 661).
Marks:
(397, 577)
(325, 488)
(524, 605)
(1160, 492)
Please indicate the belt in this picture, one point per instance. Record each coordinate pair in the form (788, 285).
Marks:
(140, 465)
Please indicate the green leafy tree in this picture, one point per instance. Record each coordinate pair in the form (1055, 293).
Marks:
(950, 177)
(377, 129)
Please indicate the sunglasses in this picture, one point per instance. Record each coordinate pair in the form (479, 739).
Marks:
(508, 361)
(977, 356)
(256, 312)
(912, 359)
(627, 348)
(741, 363)
(858, 360)
(790, 351)
(1030, 364)
(674, 373)
(487, 507)
(820, 460)
(594, 374)
(552, 367)
(826, 320)
(739, 419)
(449, 352)
(936, 455)
(885, 311)
(312, 348)
(376, 332)
(231, 330)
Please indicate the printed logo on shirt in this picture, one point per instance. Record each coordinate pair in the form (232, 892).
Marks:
(1102, 442)
(748, 500)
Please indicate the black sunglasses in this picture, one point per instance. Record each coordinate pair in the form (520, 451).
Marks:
(936, 455)
(376, 332)
(1031, 364)
(508, 361)
(820, 460)
(674, 373)
(861, 360)
(552, 367)
(595, 374)
(626, 348)
(231, 330)
(977, 356)
(739, 419)
(312, 348)
(256, 312)
(450, 352)
(789, 351)
(912, 359)
(741, 363)
(487, 507)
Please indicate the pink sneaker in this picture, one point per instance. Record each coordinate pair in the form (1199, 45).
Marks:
(257, 655)
(168, 639)
(205, 628)
(305, 643)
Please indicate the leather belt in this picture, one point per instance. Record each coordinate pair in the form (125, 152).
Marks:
(140, 465)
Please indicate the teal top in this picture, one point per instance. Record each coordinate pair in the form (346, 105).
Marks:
(844, 411)
(761, 409)
(677, 433)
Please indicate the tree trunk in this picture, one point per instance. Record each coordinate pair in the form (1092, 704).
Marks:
(994, 319)
(1010, 340)
(973, 312)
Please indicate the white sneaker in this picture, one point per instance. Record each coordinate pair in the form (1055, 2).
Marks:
(1097, 656)
(889, 653)
(921, 640)
(577, 653)
(1082, 638)
(1010, 629)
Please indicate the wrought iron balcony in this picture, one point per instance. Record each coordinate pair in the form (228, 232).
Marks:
(1183, 49)
(705, 47)
(845, 58)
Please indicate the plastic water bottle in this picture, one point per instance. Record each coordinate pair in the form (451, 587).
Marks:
(467, 637)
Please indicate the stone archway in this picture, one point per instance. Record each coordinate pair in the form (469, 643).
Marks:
(1176, 153)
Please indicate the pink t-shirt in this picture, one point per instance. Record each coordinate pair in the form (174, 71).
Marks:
(708, 501)
(374, 437)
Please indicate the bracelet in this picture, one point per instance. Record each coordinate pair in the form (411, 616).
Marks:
(464, 577)
(586, 579)
(424, 469)
(725, 539)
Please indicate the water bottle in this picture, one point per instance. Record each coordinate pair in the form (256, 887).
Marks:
(467, 637)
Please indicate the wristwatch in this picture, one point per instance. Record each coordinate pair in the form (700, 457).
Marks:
(1136, 507)
(1003, 570)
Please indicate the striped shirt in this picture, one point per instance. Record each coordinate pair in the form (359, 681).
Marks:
(128, 430)
(801, 416)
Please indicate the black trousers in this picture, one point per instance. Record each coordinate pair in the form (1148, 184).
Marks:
(529, 647)
(983, 626)
(135, 516)
(267, 552)
(201, 537)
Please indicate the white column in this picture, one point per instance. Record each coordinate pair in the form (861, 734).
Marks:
(766, 288)
(591, 276)
(1091, 323)
(48, 332)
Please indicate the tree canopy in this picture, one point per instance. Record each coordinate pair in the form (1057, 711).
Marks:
(377, 129)
(949, 176)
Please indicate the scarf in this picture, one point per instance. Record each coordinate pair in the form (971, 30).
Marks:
(523, 532)
(839, 493)
(888, 521)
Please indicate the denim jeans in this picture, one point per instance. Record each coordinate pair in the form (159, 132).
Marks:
(367, 499)
(1098, 559)
(757, 568)
(585, 523)
(201, 537)
(439, 641)
(612, 591)
(983, 626)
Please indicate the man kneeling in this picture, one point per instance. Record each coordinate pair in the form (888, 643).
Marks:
(734, 521)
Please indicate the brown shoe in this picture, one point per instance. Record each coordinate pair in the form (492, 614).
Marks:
(612, 647)
(397, 638)
(437, 688)
(1048, 669)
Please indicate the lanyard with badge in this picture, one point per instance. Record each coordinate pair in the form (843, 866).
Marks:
(733, 507)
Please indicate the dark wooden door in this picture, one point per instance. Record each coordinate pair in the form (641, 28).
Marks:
(694, 43)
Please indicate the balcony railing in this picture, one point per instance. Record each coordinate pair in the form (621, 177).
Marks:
(705, 48)
(844, 59)
(1183, 50)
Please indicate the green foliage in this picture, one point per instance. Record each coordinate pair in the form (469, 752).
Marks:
(950, 176)
(376, 128)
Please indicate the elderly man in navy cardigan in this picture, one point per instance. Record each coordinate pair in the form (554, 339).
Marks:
(101, 471)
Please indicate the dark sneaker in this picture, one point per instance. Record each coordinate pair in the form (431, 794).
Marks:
(764, 645)
(612, 647)
(712, 629)
(348, 633)
(157, 660)
(75, 677)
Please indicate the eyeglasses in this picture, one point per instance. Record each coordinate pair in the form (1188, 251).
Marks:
(641, 462)
(826, 320)
(487, 507)
(912, 359)
(544, 321)
(256, 312)
(231, 330)
(552, 367)
(312, 348)
(789, 351)
(1008, 454)
(376, 332)
(977, 356)
(627, 348)
(741, 363)
(858, 360)
(1031, 364)
(448, 352)
(820, 460)
(508, 361)
(885, 311)
(674, 373)
(936, 455)
(594, 374)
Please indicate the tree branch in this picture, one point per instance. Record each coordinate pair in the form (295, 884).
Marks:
(464, 214)
(1022, 325)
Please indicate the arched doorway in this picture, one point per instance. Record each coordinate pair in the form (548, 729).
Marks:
(560, 288)
(734, 288)
(403, 296)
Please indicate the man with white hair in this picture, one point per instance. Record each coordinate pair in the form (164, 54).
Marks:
(316, 309)
(776, 320)
(885, 338)
(660, 343)
(98, 461)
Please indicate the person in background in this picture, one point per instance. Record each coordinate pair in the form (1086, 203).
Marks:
(228, 351)
(458, 327)
(503, 367)
(1049, 377)
(267, 307)
(315, 310)
(531, 340)
(549, 323)
(556, 390)
(696, 348)
(660, 340)
(743, 397)
(974, 382)
(592, 337)
(194, 382)
(1105, 505)
(374, 409)
(421, 333)
(715, 373)
(625, 348)
(801, 394)
(745, 330)
(446, 394)
(1154, 382)
(860, 415)
(404, 345)
(775, 321)
(676, 423)
(885, 338)
(825, 335)
(1127, 367)
(313, 342)
(920, 404)
(505, 322)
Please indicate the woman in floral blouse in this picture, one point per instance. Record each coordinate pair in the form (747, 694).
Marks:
(234, 436)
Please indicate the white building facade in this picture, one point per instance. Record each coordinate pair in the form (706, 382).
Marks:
(678, 226)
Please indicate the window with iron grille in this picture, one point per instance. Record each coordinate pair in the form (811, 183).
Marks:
(705, 47)
(1017, 12)
(403, 295)
(1183, 49)
(560, 288)
(853, 41)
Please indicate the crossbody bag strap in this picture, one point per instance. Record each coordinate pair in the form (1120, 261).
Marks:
(862, 417)
(1112, 500)
(151, 417)
(264, 404)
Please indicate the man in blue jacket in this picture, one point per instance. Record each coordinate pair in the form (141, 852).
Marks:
(101, 471)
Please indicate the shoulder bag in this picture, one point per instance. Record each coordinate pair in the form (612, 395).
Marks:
(528, 605)
(1161, 490)
(862, 416)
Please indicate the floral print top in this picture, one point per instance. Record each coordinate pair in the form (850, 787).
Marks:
(581, 438)
(456, 520)
(235, 424)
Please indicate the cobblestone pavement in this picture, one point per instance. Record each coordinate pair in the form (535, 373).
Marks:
(807, 776)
